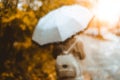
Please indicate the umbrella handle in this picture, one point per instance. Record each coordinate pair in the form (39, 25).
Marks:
(71, 47)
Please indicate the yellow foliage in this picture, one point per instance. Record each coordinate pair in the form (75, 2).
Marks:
(23, 27)
(30, 19)
(5, 74)
(1, 5)
(8, 19)
(36, 61)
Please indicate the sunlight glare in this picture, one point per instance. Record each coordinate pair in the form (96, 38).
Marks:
(108, 10)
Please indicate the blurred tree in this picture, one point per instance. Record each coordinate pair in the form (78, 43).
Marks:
(20, 57)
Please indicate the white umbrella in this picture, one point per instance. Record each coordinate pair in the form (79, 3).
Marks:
(61, 24)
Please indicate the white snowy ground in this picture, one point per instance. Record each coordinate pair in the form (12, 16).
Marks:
(102, 57)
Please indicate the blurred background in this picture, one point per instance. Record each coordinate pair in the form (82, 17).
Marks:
(23, 59)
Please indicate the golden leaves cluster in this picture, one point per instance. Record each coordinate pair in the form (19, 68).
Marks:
(37, 62)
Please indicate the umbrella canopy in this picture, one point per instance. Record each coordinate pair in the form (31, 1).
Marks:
(60, 24)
